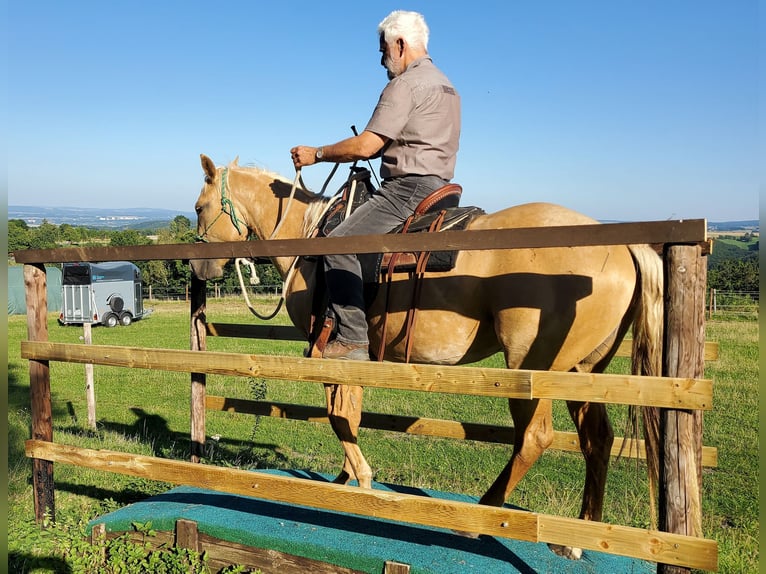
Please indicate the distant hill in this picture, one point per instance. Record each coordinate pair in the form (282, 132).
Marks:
(747, 225)
(111, 218)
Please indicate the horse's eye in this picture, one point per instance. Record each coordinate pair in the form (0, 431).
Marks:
(198, 209)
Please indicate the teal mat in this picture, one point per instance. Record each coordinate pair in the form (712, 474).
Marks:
(355, 542)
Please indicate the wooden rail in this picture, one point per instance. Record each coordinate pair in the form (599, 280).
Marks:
(668, 392)
(562, 440)
(692, 231)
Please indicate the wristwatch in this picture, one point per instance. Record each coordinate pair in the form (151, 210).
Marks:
(319, 154)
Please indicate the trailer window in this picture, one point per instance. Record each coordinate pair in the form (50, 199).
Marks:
(76, 275)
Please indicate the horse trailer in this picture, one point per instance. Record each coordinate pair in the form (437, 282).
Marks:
(107, 293)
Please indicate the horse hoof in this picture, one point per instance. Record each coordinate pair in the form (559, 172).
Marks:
(343, 478)
(566, 551)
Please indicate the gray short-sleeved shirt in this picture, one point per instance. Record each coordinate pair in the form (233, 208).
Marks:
(419, 111)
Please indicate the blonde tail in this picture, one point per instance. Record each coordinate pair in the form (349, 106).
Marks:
(647, 352)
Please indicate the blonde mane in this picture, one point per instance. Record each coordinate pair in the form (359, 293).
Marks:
(316, 204)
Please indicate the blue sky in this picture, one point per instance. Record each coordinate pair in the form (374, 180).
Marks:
(623, 110)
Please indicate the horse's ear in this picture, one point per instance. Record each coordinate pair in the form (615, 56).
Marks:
(235, 162)
(208, 167)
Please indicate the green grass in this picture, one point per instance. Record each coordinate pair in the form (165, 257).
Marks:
(147, 412)
(745, 245)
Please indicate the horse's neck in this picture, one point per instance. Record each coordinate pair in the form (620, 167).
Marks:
(270, 209)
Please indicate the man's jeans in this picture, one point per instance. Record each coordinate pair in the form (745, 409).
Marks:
(389, 207)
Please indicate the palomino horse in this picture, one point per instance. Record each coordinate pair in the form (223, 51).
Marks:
(563, 309)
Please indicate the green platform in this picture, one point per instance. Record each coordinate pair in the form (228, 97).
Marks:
(355, 542)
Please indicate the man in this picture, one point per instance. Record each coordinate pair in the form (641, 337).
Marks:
(415, 129)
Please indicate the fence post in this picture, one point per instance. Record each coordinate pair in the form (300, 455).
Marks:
(90, 389)
(681, 430)
(198, 380)
(35, 285)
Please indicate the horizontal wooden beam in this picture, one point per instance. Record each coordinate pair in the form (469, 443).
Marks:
(653, 545)
(290, 333)
(221, 554)
(679, 393)
(680, 231)
(503, 522)
(566, 441)
(464, 516)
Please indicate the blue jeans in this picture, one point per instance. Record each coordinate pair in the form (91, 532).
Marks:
(389, 207)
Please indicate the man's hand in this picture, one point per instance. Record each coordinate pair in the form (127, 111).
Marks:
(303, 155)
(364, 146)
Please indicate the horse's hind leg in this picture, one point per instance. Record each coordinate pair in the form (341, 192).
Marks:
(596, 437)
(533, 424)
(344, 408)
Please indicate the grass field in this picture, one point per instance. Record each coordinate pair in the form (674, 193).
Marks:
(147, 412)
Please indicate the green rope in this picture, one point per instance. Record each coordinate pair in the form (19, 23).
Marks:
(226, 202)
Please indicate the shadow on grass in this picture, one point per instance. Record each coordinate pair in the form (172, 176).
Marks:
(19, 427)
(20, 563)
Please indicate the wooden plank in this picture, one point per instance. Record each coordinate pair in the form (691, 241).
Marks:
(248, 331)
(624, 389)
(35, 285)
(463, 516)
(224, 553)
(566, 441)
(98, 535)
(187, 535)
(464, 380)
(638, 543)
(681, 439)
(413, 377)
(681, 231)
(393, 567)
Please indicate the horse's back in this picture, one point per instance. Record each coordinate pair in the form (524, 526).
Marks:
(538, 214)
(546, 308)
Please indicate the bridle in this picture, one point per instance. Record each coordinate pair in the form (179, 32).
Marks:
(227, 208)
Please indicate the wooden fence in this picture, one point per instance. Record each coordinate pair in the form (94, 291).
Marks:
(681, 392)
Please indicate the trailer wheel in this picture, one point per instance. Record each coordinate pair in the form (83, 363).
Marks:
(110, 320)
(116, 303)
(126, 319)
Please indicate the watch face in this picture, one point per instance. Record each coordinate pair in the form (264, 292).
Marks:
(319, 153)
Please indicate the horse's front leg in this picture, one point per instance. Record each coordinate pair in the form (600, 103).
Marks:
(344, 408)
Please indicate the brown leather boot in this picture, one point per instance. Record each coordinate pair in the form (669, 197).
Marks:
(340, 350)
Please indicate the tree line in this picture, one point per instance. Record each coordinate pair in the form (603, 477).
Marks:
(730, 268)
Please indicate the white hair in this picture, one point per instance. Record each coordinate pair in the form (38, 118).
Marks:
(408, 25)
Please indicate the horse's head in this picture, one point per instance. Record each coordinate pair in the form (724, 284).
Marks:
(218, 219)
